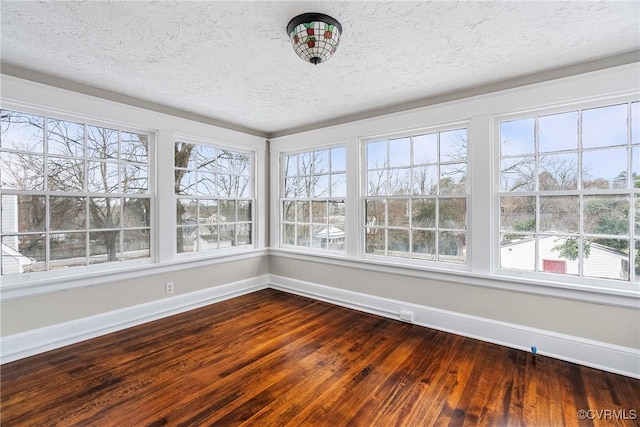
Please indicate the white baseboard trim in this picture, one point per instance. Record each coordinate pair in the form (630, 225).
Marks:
(25, 344)
(595, 354)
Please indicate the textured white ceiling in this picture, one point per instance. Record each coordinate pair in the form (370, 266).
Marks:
(232, 61)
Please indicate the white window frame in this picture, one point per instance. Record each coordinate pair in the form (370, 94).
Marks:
(281, 220)
(79, 271)
(568, 280)
(363, 196)
(253, 199)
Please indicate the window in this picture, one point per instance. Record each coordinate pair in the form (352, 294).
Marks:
(73, 194)
(313, 206)
(570, 192)
(416, 196)
(214, 192)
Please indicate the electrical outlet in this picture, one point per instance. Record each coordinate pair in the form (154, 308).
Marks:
(406, 315)
(168, 288)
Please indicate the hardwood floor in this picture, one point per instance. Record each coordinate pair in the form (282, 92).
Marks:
(274, 359)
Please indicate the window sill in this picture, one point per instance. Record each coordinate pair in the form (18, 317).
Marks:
(627, 298)
(18, 288)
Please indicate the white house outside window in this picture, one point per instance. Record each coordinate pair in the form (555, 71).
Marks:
(214, 192)
(570, 193)
(416, 196)
(73, 194)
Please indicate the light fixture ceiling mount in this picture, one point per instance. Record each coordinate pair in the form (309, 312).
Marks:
(314, 36)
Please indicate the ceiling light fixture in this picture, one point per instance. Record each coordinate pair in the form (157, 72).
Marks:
(315, 36)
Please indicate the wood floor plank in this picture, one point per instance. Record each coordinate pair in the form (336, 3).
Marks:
(275, 359)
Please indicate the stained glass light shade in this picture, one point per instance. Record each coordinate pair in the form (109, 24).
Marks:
(315, 36)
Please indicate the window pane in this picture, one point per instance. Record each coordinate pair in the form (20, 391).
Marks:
(23, 213)
(185, 156)
(244, 210)
(65, 174)
(102, 177)
(518, 252)
(452, 213)
(291, 187)
(517, 213)
(604, 126)
(321, 162)
(336, 214)
(21, 131)
(291, 165)
(398, 243)
(607, 258)
(560, 254)
(67, 213)
(135, 147)
(21, 171)
(400, 152)
(398, 213)
(243, 164)
(377, 183)
(604, 168)
(425, 179)
(635, 122)
(23, 253)
(104, 212)
(375, 213)
(206, 185)
(187, 211)
(135, 179)
(517, 174)
(65, 138)
(227, 211)
(208, 212)
(399, 181)
(423, 213)
(377, 155)
(303, 236)
(425, 149)
(289, 237)
(306, 186)
(606, 215)
(560, 213)
(186, 182)
(305, 163)
(453, 178)
(374, 243)
(227, 236)
(637, 222)
(339, 185)
(635, 167)
(68, 250)
(320, 235)
(137, 244)
(208, 237)
(558, 132)
(453, 145)
(452, 247)
(338, 159)
(424, 245)
(243, 237)
(304, 212)
(319, 212)
(517, 137)
(137, 213)
(104, 246)
(321, 186)
(558, 172)
(244, 186)
(289, 211)
(102, 143)
(187, 239)
(206, 158)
